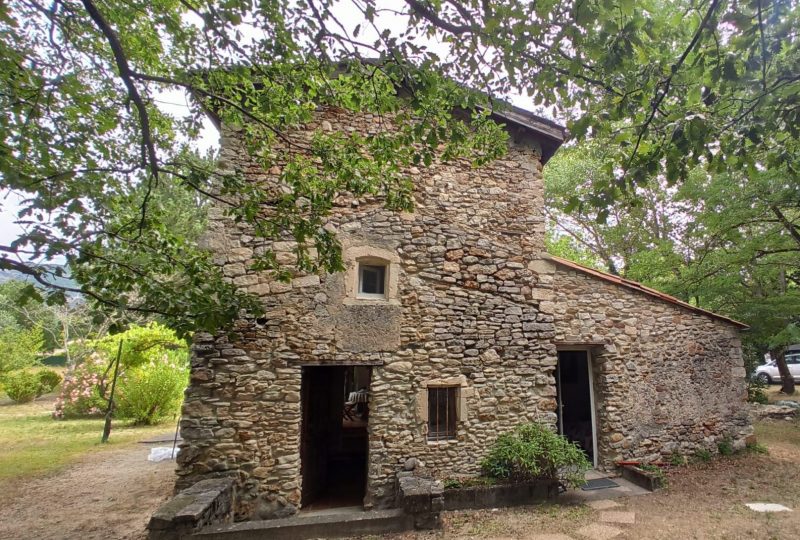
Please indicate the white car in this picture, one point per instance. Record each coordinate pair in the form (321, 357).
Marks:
(768, 373)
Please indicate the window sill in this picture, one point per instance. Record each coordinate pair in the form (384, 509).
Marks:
(366, 300)
(441, 442)
(368, 296)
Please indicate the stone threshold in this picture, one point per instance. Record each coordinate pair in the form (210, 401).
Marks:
(316, 524)
(625, 489)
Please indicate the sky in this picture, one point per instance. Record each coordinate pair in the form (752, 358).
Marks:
(9, 204)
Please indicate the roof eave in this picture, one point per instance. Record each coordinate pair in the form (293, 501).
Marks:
(548, 133)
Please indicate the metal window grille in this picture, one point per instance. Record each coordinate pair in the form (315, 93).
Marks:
(442, 413)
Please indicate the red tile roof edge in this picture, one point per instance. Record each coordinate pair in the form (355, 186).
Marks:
(616, 280)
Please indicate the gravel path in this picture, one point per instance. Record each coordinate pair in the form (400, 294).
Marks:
(108, 494)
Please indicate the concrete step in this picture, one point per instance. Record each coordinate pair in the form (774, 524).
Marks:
(313, 525)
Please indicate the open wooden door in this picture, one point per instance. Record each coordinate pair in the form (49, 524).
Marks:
(322, 401)
(333, 446)
(576, 419)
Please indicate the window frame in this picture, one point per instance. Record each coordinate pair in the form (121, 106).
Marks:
(360, 281)
(452, 397)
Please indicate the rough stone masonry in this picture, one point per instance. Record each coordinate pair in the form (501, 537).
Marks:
(472, 301)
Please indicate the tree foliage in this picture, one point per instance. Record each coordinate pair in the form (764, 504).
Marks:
(19, 348)
(672, 85)
(636, 232)
(731, 245)
(140, 345)
(22, 308)
(67, 327)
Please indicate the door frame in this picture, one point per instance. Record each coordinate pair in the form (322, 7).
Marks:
(304, 422)
(560, 405)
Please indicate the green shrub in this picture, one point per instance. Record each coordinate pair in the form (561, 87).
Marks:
(534, 452)
(86, 388)
(154, 391)
(756, 448)
(468, 482)
(22, 386)
(755, 391)
(19, 348)
(49, 379)
(656, 472)
(452, 483)
(703, 456)
(677, 460)
(725, 447)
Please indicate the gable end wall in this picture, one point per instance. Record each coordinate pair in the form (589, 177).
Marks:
(667, 380)
(469, 309)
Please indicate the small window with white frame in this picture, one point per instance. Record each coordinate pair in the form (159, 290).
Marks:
(372, 279)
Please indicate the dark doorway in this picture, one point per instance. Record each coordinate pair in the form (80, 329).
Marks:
(333, 450)
(573, 384)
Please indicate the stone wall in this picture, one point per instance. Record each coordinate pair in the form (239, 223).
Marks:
(472, 302)
(667, 379)
(208, 502)
(463, 306)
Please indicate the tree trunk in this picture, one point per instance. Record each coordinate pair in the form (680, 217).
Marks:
(65, 331)
(110, 410)
(787, 380)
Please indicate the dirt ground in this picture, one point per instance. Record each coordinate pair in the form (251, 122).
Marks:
(111, 495)
(703, 501)
(774, 394)
(106, 495)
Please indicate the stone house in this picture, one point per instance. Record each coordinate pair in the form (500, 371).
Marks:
(449, 326)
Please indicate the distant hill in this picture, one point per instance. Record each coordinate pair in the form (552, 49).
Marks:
(64, 281)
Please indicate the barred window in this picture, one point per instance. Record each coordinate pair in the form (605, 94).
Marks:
(442, 413)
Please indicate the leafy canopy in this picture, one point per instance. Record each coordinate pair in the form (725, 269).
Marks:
(142, 345)
(727, 242)
(19, 348)
(22, 308)
(674, 83)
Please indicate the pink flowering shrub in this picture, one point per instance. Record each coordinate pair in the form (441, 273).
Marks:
(80, 392)
(153, 373)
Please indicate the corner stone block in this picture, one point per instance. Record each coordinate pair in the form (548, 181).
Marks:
(546, 295)
(541, 266)
(738, 372)
(305, 281)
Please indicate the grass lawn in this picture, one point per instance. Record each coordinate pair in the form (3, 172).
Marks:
(779, 434)
(31, 442)
(773, 393)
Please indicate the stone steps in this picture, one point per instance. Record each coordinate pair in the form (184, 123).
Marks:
(312, 525)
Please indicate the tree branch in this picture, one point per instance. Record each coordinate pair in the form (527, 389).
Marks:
(27, 270)
(126, 74)
(432, 17)
(667, 83)
(790, 227)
